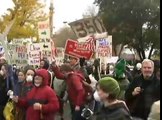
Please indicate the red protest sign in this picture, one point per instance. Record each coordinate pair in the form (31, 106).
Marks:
(73, 48)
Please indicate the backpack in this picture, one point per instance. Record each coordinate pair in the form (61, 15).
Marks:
(87, 87)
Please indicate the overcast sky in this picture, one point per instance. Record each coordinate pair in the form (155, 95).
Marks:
(65, 10)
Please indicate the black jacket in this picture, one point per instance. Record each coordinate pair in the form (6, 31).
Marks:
(140, 105)
(117, 111)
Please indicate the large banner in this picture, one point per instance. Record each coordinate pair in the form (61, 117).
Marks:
(80, 50)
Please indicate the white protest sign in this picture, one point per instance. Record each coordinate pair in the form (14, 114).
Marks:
(104, 50)
(60, 53)
(104, 47)
(44, 30)
(34, 53)
(19, 56)
(46, 50)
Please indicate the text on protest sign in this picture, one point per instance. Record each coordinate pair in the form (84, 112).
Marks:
(87, 26)
(34, 54)
(73, 48)
(44, 30)
(104, 47)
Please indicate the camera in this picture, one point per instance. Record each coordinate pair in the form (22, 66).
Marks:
(87, 113)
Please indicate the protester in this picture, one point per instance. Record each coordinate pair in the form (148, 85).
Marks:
(137, 70)
(28, 84)
(41, 102)
(20, 112)
(107, 92)
(143, 91)
(2, 61)
(6, 84)
(44, 64)
(120, 76)
(155, 111)
(75, 90)
(74, 62)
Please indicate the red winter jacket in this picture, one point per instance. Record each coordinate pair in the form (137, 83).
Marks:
(44, 95)
(76, 91)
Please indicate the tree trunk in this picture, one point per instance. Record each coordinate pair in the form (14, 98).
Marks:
(140, 55)
(120, 50)
(142, 44)
(114, 50)
(150, 53)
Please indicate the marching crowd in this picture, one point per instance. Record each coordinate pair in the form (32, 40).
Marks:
(117, 92)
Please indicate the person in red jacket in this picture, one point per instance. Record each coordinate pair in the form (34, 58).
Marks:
(41, 102)
(75, 89)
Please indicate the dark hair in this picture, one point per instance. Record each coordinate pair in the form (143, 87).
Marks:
(8, 69)
(20, 70)
(29, 68)
(46, 64)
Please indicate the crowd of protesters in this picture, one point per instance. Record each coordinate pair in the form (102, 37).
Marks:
(118, 92)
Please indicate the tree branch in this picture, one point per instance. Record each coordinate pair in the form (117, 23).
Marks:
(150, 53)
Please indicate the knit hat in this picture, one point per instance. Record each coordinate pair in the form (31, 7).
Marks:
(109, 85)
(120, 68)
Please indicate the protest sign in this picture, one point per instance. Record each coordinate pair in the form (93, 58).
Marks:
(18, 54)
(80, 50)
(87, 27)
(104, 47)
(104, 50)
(34, 53)
(44, 29)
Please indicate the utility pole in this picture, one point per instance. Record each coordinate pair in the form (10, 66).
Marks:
(51, 14)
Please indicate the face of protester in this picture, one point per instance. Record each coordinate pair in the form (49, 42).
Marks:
(3, 71)
(147, 69)
(103, 96)
(29, 75)
(73, 61)
(42, 64)
(30, 72)
(21, 76)
(2, 61)
(38, 80)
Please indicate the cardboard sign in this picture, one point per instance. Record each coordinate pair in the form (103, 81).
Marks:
(18, 54)
(86, 27)
(104, 47)
(34, 54)
(73, 48)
